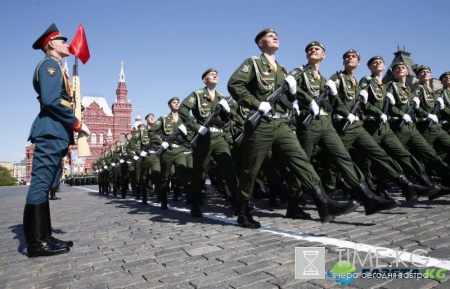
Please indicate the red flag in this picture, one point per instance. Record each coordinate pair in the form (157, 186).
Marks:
(79, 46)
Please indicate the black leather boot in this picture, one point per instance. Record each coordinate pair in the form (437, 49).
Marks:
(329, 208)
(187, 195)
(294, 211)
(49, 231)
(53, 194)
(373, 203)
(144, 196)
(409, 188)
(245, 218)
(195, 209)
(35, 229)
(176, 193)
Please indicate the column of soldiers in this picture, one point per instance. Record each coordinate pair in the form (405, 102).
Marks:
(298, 131)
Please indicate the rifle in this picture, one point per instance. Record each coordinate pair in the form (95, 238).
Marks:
(147, 147)
(211, 118)
(253, 121)
(356, 107)
(385, 111)
(320, 100)
(169, 140)
(82, 143)
(408, 111)
(435, 111)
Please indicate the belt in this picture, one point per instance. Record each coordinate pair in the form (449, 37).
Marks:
(66, 103)
(443, 121)
(188, 152)
(338, 116)
(215, 129)
(269, 114)
(151, 152)
(321, 111)
(175, 145)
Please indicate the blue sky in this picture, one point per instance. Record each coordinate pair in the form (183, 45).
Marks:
(166, 45)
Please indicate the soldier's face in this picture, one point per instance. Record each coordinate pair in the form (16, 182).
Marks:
(174, 105)
(351, 60)
(211, 78)
(446, 81)
(315, 53)
(150, 119)
(60, 47)
(269, 42)
(424, 76)
(377, 66)
(400, 71)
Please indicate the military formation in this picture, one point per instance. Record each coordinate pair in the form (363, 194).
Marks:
(285, 134)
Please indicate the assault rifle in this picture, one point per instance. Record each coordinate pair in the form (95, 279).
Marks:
(238, 140)
(169, 140)
(408, 111)
(356, 106)
(209, 121)
(385, 111)
(435, 111)
(146, 149)
(278, 95)
(320, 101)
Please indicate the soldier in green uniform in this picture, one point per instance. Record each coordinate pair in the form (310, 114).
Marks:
(359, 138)
(378, 99)
(250, 85)
(408, 134)
(212, 141)
(173, 154)
(444, 119)
(107, 160)
(125, 166)
(115, 168)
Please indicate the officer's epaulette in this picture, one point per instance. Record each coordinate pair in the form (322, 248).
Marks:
(200, 91)
(255, 57)
(136, 135)
(368, 78)
(165, 115)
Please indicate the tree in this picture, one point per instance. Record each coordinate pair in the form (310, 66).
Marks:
(5, 177)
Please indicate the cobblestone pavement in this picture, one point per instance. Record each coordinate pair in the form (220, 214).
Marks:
(121, 243)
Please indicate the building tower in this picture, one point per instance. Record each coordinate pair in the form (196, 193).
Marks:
(121, 109)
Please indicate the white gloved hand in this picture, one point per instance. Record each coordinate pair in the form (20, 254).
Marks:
(297, 109)
(292, 83)
(105, 167)
(383, 118)
(364, 96)
(165, 145)
(351, 118)
(85, 129)
(406, 117)
(432, 117)
(332, 85)
(416, 102)
(264, 107)
(202, 130)
(441, 102)
(135, 158)
(143, 154)
(97, 171)
(223, 102)
(121, 161)
(314, 108)
(182, 128)
(101, 170)
(391, 98)
(113, 164)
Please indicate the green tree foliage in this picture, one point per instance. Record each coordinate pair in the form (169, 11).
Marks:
(5, 177)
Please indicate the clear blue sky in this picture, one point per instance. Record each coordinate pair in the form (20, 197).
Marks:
(166, 45)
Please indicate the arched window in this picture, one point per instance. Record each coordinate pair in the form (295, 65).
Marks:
(93, 138)
(101, 138)
(122, 138)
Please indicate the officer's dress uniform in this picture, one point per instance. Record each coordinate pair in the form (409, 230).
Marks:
(124, 170)
(115, 170)
(444, 120)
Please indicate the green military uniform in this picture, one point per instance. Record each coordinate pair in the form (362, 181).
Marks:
(124, 164)
(161, 130)
(132, 168)
(444, 119)
(115, 170)
(211, 145)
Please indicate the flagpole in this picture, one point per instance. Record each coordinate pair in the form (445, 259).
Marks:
(82, 143)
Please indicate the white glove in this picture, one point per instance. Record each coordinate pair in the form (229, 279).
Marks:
(121, 161)
(383, 117)
(432, 117)
(165, 145)
(351, 118)
(314, 108)
(143, 154)
(135, 158)
(85, 129)
(202, 130)
(391, 98)
(297, 109)
(441, 102)
(105, 167)
(290, 80)
(113, 164)
(332, 85)
(364, 96)
(264, 107)
(406, 117)
(224, 105)
(416, 102)
(97, 171)
(101, 170)
(183, 130)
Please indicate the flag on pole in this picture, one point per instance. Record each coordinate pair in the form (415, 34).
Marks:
(79, 46)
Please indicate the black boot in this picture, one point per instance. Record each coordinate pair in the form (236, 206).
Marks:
(187, 194)
(100, 189)
(381, 190)
(53, 194)
(373, 203)
(144, 196)
(49, 231)
(245, 218)
(35, 229)
(410, 188)
(294, 211)
(426, 181)
(329, 208)
(164, 200)
(195, 209)
(176, 193)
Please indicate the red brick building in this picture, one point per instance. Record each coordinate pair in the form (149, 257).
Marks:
(105, 124)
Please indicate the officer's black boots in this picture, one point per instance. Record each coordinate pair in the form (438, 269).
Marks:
(195, 208)
(373, 203)
(329, 208)
(164, 200)
(53, 193)
(294, 211)
(187, 195)
(144, 196)
(36, 230)
(412, 191)
(245, 218)
(49, 231)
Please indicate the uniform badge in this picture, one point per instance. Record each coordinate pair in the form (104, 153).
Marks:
(157, 122)
(191, 100)
(51, 71)
(266, 73)
(204, 104)
(245, 68)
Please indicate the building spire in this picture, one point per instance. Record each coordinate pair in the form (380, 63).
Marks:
(122, 74)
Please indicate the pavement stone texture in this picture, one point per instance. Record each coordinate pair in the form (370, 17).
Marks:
(121, 243)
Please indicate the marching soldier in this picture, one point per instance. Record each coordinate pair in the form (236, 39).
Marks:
(115, 167)
(445, 113)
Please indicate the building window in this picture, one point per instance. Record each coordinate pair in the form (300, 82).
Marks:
(122, 138)
(94, 138)
(101, 138)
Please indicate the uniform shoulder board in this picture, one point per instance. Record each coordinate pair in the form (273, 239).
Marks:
(255, 57)
(165, 115)
(368, 78)
(200, 91)
(136, 134)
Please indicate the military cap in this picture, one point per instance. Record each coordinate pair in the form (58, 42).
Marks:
(423, 68)
(373, 59)
(314, 43)
(172, 99)
(397, 64)
(50, 34)
(208, 71)
(139, 125)
(444, 74)
(149, 114)
(351, 51)
(263, 33)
